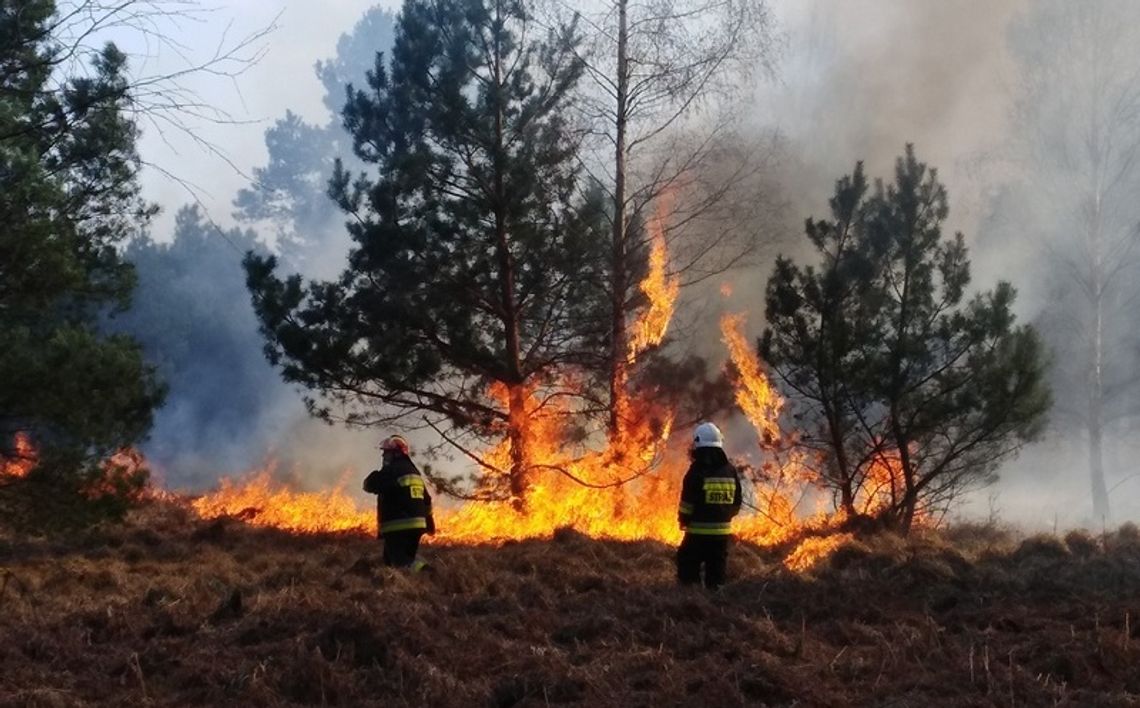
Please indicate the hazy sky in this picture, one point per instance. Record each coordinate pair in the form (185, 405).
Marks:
(306, 31)
(890, 36)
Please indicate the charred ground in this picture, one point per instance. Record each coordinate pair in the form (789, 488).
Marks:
(173, 610)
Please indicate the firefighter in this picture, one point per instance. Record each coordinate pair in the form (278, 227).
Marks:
(403, 505)
(710, 498)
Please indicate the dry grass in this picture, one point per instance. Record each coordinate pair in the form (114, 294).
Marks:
(169, 610)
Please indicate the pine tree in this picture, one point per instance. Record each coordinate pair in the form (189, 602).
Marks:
(464, 291)
(69, 195)
(906, 390)
(289, 193)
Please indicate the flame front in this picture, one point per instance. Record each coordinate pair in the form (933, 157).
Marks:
(262, 502)
(625, 487)
(627, 490)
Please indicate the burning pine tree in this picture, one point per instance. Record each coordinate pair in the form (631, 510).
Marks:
(909, 392)
(476, 303)
(465, 294)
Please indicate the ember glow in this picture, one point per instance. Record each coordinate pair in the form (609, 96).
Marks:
(22, 459)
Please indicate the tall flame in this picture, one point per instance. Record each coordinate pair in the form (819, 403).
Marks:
(660, 289)
(754, 393)
(620, 491)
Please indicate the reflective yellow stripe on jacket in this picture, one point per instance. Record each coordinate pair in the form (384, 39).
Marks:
(414, 483)
(709, 528)
(720, 490)
(417, 522)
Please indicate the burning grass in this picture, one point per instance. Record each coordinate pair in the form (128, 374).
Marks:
(20, 460)
(260, 594)
(172, 609)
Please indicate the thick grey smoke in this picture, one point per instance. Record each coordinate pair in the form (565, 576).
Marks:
(228, 411)
(1064, 212)
(1005, 99)
(858, 81)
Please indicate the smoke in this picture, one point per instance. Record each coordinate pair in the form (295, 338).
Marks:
(863, 79)
(228, 411)
(992, 95)
(856, 81)
(1064, 214)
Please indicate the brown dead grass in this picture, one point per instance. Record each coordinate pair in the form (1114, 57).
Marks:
(170, 610)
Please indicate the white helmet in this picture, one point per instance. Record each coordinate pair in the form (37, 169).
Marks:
(707, 435)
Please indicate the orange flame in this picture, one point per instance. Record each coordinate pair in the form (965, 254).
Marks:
(660, 289)
(882, 485)
(626, 488)
(754, 393)
(23, 459)
(811, 551)
(262, 502)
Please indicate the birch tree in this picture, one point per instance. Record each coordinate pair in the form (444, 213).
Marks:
(1077, 125)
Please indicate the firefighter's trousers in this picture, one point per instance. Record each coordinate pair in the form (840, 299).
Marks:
(696, 551)
(400, 548)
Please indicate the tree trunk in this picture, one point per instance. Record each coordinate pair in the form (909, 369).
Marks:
(844, 475)
(907, 508)
(1101, 509)
(1096, 473)
(518, 433)
(517, 421)
(847, 497)
(619, 347)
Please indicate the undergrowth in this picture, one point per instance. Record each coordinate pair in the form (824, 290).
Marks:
(171, 610)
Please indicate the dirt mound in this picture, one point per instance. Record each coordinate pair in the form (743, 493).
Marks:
(173, 611)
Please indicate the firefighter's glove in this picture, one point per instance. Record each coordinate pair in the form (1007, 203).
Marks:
(370, 485)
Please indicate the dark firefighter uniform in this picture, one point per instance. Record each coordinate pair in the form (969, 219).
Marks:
(710, 498)
(403, 508)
